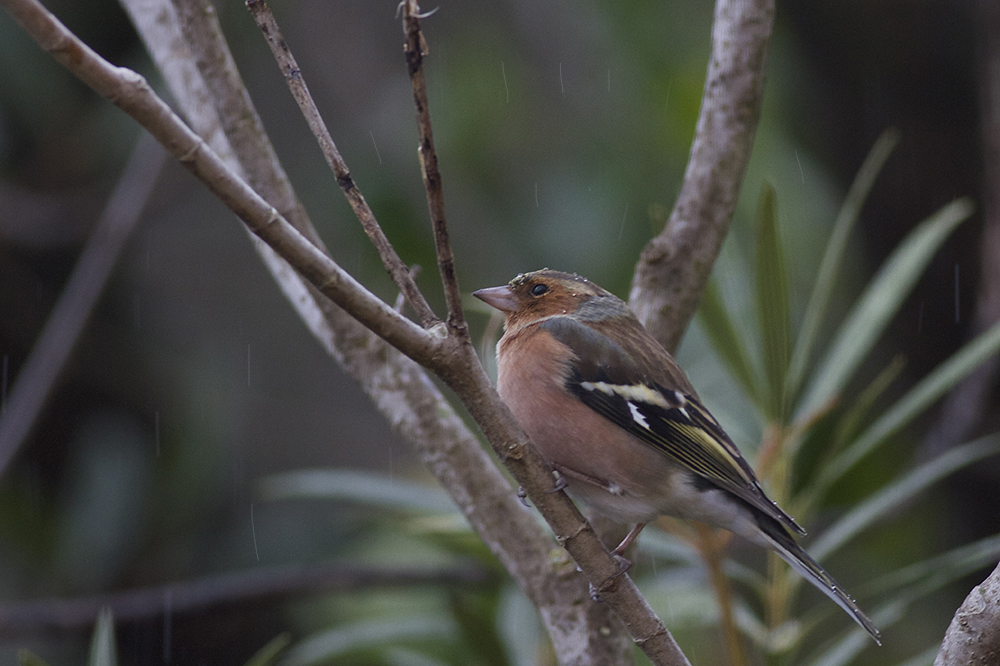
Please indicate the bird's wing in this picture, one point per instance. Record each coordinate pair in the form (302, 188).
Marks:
(609, 380)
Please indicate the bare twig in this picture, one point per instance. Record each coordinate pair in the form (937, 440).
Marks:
(130, 91)
(235, 119)
(712, 546)
(62, 330)
(415, 49)
(674, 267)
(194, 595)
(296, 83)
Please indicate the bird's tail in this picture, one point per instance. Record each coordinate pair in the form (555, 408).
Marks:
(783, 544)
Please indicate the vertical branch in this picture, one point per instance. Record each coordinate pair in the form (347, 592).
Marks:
(416, 49)
(300, 92)
(675, 265)
(712, 546)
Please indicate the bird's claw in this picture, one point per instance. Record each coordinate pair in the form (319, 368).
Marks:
(523, 496)
(561, 482)
(624, 564)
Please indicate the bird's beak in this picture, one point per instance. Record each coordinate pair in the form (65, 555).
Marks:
(502, 298)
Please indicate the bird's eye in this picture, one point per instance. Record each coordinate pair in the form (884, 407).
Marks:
(539, 289)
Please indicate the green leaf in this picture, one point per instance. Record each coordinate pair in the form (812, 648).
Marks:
(395, 656)
(103, 651)
(772, 303)
(326, 645)
(958, 561)
(925, 658)
(900, 491)
(879, 302)
(28, 658)
(942, 571)
(833, 258)
(726, 339)
(364, 487)
(849, 424)
(269, 653)
(855, 640)
(911, 405)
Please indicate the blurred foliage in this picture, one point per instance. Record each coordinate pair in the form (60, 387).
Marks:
(563, 131)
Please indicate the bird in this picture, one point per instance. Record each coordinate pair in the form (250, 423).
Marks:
(614, 414)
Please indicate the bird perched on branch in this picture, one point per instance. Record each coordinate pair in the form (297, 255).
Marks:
(612, 412)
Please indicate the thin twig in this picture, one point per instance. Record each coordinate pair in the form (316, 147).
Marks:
(712, 545)
(235, 587)
(130, 92)
(300, 91)
(415, 50)
(40, 371)
(223, 91)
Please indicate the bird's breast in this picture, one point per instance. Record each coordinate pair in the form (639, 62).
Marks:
(639, 480)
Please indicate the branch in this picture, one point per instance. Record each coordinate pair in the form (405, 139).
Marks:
(415, 49)
(675, 265)
(300, 92)
(974, 633)
(194, 595)
(62, 330)
(130, 92)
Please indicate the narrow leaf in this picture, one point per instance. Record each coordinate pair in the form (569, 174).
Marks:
(772, 303)
(103, 651)
(911, 405)
(268, 654)
(958, 561)
(880, 301)
(843, 652)
(364, 487)
(833, 258)
(925, 658)
(726, 339)
(856, 640)
(324, 646)
(900, 491)
(28, 658)
(849, 424)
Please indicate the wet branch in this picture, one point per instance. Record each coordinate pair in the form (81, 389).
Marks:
(415, 50)
(974, 633)
(398, 270)
(675, 265)
(44, 364)
(230, 588)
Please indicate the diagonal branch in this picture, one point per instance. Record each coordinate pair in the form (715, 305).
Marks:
(130, 92)
(675, 265)
(300, 92)
(64, 326)
(415, 49)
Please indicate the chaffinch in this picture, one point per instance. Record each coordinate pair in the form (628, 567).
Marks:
(609, 408)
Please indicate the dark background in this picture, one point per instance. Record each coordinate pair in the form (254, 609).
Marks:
(562, 129)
